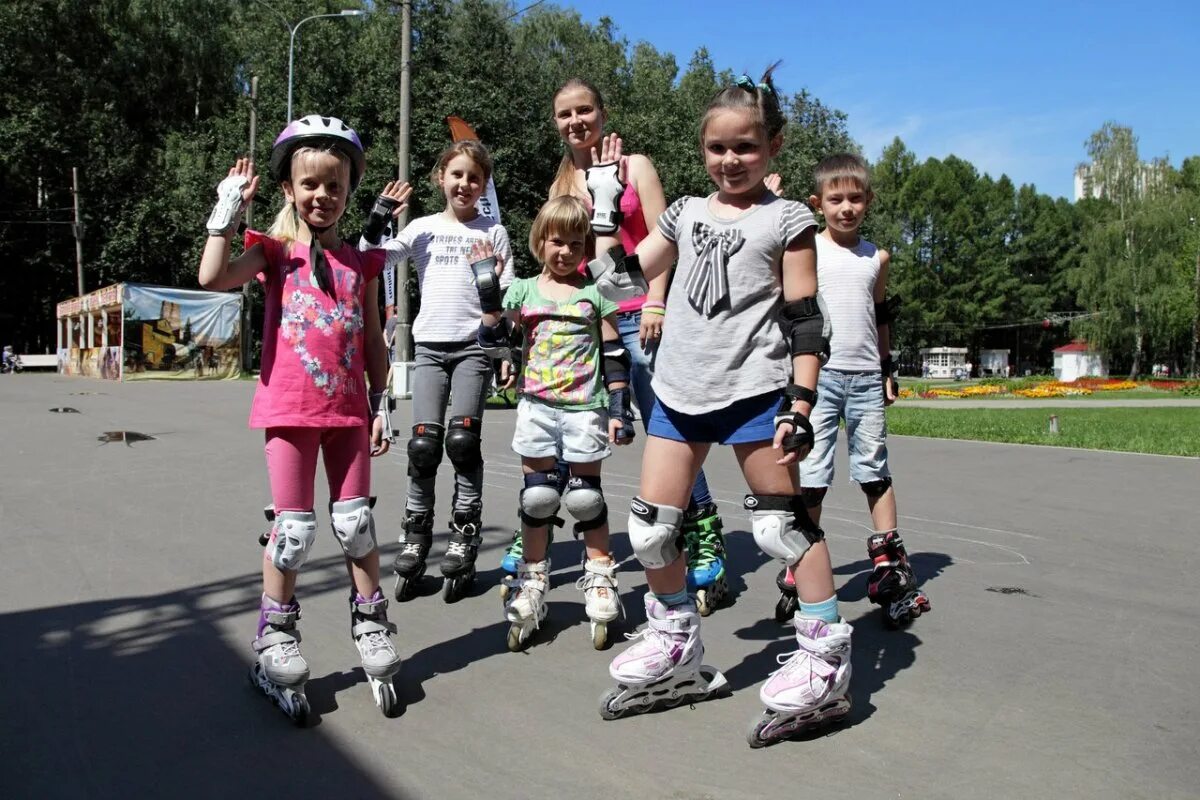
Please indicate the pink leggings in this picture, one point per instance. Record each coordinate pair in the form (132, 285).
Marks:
(292, 464)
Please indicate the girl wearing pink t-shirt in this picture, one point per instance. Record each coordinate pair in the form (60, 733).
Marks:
(321, 332)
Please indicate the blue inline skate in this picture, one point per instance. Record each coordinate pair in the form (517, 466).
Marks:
(706, 558)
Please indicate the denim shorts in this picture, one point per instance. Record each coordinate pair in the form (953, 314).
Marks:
(742, 422)
(856, 397)
(544, 431)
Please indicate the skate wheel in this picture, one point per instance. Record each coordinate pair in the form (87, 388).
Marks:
(609, 710)
(504, 590)
(599, 635)
(515, 640)
(385, 698)
(404, 588)
(702, 602)
(785, 609)
(890, 622)
(755, 737)
(299, 710)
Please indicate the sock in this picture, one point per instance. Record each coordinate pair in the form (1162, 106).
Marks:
(826, 610)
(681, 597)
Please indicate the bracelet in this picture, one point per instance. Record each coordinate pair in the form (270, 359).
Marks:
(652, 304)
(662, 312)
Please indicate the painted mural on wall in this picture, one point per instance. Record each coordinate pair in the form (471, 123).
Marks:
(178, 333)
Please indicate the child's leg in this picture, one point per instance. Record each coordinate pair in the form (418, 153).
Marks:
(470, 374)
(292, 468)
(540, 500)
(347, 456)
(584, 498)
(431, 386)
(866, 438)
(669, 471)
(816, 470)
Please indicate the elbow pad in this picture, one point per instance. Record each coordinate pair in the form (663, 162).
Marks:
(806, 327)
(488, 284)
(885, 312)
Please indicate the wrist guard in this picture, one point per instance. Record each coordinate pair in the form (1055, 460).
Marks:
(378, 219)
(605, 187)
(620, 409)
(802, 430)
(617, 362)
(381, 406)
(618, 276)
(885, 312)
(487, 283)
(499, 340)
(227, 212)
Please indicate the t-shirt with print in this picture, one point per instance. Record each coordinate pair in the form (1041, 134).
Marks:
(563, 344)
(439, 248)
(312, 357)
(722, 340)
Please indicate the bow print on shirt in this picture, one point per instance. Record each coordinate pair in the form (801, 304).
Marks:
(708, 282)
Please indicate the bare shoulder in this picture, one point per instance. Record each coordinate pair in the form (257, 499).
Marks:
(640, 167)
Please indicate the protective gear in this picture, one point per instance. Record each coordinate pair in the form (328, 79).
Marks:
(620, 408)
(378, 219)
(541, 498)
(886, 370)
(885, 312)
(320, 132)
(618, 276)
(499, 340)
(876, 488)
(487, 282)
(782, 528)
(617, 362)
(462, 443)
(813, 496)
(605, 187)
(425, 450)
(802, 433)
(227, 213)
(585, 500)
(655, 533)
(807, 327)
(292, 538)
(353, 526)
(381, 406)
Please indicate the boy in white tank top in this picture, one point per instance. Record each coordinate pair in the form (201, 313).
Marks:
(857, 383)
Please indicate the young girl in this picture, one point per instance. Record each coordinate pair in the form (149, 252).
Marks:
(572, 352)
(580, 116)
(446, 248)
(320, 333)
(727, 374)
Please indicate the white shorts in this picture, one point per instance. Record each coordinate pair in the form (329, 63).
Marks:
(577, 437)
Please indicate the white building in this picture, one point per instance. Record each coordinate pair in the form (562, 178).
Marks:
(944, 362)
(1078, 360)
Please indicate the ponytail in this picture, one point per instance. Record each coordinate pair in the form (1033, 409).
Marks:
(760, 98)
(286, 226)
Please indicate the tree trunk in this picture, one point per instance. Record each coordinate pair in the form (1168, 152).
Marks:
(1195, 322)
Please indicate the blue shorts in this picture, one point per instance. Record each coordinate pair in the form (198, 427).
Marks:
(745, 421)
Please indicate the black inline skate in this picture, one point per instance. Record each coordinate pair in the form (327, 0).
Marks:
(458, 565)
(892, 584)
(409, 565)
(785, 609)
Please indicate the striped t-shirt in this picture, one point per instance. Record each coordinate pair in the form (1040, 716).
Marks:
(846, 278)
(439, 248)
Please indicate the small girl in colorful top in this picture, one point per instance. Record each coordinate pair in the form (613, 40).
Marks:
(463, 262)
(737, 365)
(320, 334)
(572, 354)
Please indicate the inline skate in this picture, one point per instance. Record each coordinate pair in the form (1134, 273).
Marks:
(372, 633)
(280, 671)
(789, 601)
(662, 668)
(409, 565)
(526, 604)
(811, 688)
(601, 598)
(458, 565)
(706, 558)
(892, 584)
(511, 562)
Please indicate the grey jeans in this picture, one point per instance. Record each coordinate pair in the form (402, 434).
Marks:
(458, 374)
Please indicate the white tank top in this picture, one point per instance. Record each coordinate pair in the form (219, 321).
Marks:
(846, 280)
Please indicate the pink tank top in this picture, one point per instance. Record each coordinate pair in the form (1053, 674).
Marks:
(312, 358)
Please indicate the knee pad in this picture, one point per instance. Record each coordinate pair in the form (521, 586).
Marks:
(353, 526)
(585, 500)
(292, 538)
(541, 498)
(781, 525)
(813, 496)
(655, 533)
(425, 449)
(875, 489)
(462, 443)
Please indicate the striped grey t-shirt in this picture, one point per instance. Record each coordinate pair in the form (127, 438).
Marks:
(722, 340)
(847, 278)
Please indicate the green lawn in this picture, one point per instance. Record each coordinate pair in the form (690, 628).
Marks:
(1167, 431)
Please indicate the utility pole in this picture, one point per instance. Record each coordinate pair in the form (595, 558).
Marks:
(77, 227)
(249, 223)
(403, 326)
(1195, 317)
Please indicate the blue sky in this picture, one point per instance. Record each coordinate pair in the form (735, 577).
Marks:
(1015, 88)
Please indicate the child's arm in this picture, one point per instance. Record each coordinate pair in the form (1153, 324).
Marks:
(488, 265)
(803, 322)
(617, 363)
(376, 355)
(390, 204)
(654, 202)
(217, 272)
(883, 329)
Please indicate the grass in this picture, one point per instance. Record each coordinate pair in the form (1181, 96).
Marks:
(1163, 431)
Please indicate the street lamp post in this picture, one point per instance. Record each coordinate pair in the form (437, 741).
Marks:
(292, 46)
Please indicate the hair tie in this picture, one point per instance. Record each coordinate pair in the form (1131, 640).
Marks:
(747, 83)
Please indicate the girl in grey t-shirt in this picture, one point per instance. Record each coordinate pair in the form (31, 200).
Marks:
(732, 370)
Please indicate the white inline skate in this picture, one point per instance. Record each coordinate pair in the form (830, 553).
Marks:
(601, 598)
(525, 607)
(811, 689)
(662, 668)
(372, 636)
(280, 671)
